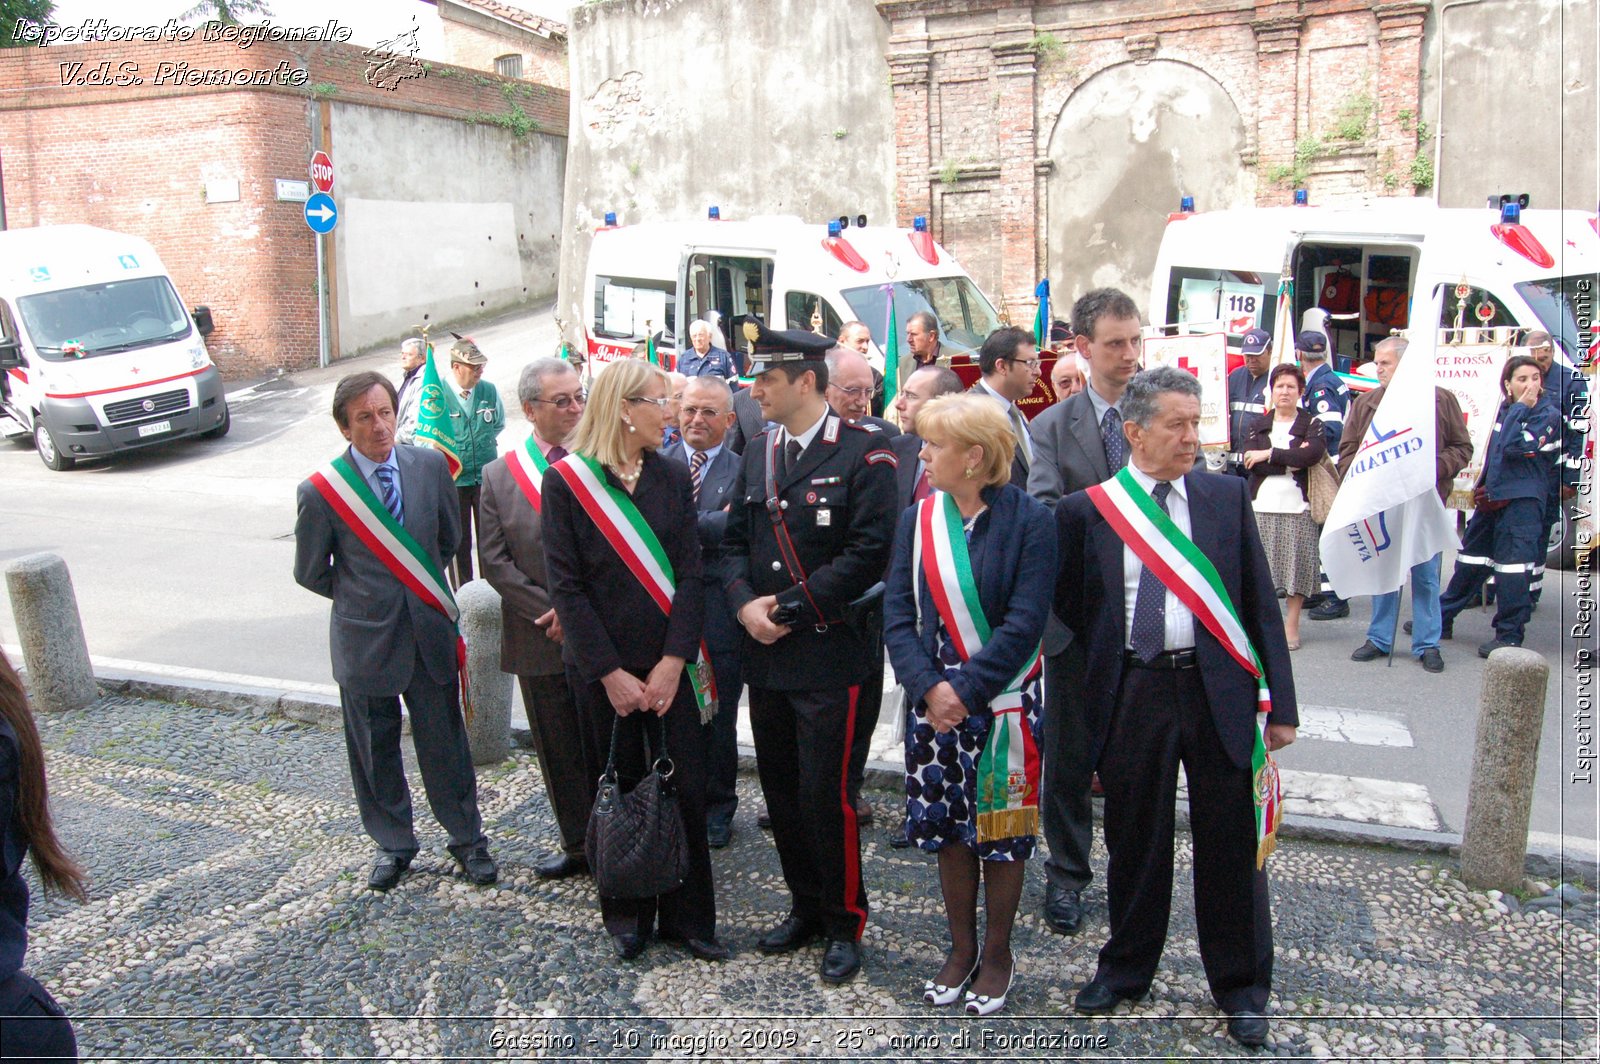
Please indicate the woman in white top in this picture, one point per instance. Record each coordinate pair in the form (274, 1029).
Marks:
(1280, 447)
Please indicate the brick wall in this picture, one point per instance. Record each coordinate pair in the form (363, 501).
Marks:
(137, 157)
(542, 61)
(979, 88)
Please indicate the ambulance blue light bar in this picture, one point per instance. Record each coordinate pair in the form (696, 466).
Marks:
(611, 217)
(920, 223)
(1301, 197)
(715, 214)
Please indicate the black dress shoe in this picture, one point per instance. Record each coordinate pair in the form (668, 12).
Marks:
(386, 871)
(1248, 1029)
(840, 962)
(1063, 910)
(718, 833)
(1331, 610)
(864, 813)
(706, 949)
(900, 839)
(794, 932)
(477, 865)
(1367, 651)
(628, 945)
(560, 866)
(1432, 660)
(1485, 649)
(1096, 997)
(764, 819)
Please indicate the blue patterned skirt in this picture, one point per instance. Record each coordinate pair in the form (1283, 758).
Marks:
(942, 771)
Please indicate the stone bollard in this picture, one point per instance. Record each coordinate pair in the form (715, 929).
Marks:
(53, 648)
(489, 734)
(1494, 845)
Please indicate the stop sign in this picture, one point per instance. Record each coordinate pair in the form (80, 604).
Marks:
(322, 172)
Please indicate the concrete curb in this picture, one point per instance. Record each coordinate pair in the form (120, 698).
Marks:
(318, 704)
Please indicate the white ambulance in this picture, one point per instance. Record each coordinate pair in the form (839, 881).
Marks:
(97, 351)
(1355, 271)
(654, 278)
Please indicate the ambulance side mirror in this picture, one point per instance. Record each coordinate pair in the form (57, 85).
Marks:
(202, 321)
(10, 352)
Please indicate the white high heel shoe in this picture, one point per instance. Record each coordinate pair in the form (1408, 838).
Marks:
(983, 1004)
(938, 994)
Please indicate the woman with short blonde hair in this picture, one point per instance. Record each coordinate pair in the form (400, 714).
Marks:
(618, 513)
(968, 593)
(966, 420)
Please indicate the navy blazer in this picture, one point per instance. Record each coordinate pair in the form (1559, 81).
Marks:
(1090, 600)
(1014, 578)
(716, 492)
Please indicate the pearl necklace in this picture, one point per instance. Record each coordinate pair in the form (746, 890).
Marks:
(629, 478)
(970, 523)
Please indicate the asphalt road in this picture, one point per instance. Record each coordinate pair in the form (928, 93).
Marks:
(182, 555)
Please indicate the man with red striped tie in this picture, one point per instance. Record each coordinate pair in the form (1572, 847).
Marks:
(704, 418)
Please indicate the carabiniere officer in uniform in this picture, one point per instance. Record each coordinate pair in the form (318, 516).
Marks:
(808, 540)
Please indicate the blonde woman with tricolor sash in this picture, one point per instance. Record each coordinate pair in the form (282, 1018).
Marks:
(969, 591)
(622, 549)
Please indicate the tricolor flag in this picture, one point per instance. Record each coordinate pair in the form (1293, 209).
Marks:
(1283, 330)
(433, 415)
(1388, 515)
(1041, 319)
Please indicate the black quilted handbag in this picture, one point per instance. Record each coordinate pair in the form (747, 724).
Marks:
(636, 843)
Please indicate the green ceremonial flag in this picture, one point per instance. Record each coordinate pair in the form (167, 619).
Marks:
(650, 352)
(1041, 320)
(433, 416)
(891, 353)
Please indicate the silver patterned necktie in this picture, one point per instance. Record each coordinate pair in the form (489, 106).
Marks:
(391, 493)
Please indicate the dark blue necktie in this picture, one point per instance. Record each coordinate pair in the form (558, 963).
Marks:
(391, 493)
(1111, 436)
(1148, 636)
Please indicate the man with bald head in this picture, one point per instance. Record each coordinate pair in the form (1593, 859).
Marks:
(849, 390)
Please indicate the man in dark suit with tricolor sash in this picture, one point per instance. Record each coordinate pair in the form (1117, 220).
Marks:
(372, 532)
(1164, 582)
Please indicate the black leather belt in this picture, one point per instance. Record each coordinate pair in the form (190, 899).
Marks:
(1167, 659)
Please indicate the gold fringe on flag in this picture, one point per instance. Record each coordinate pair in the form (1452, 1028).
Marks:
(1008, 823)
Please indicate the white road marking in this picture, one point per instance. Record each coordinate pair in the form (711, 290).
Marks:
(1335, 724)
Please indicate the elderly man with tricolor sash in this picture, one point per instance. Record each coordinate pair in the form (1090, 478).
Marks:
(374, 527)
(1164, 581)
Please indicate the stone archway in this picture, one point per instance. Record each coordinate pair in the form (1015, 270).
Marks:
(1129, 142)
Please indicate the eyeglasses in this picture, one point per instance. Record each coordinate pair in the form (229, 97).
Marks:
(853, 393)
(689, 413)
(1031, 363)
(660, 403)
(565, 402)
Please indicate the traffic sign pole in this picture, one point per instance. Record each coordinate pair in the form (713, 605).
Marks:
(322, 307)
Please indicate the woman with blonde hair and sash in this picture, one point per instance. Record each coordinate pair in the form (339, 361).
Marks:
(969, 591)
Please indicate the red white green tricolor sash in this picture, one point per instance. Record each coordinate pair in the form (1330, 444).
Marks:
(637, 544)
(528, 465)
(1008, 768)
(1189, 574)
(350, 497)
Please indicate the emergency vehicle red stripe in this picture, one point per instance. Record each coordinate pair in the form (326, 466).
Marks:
(124, 387)
(852, 829)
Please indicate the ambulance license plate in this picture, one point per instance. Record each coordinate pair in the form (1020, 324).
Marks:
(156, 429)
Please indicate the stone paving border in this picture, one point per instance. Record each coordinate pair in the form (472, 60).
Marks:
(229, 919)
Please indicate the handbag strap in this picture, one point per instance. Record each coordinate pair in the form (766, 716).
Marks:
(655, 751)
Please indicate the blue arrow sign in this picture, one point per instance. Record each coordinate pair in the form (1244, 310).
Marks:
(321, 214)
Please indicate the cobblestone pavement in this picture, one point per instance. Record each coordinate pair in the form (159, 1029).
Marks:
(230, 919)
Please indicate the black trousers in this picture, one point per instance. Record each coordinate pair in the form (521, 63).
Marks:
(804, 744)
(869, 706)
(377, 771)
(32, 1025)
(691, 910)
(558, 742)
(1066, 812)
(1162, 718)
(461, 571)
(723, 637)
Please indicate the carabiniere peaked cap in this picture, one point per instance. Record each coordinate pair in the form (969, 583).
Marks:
(771, 347)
